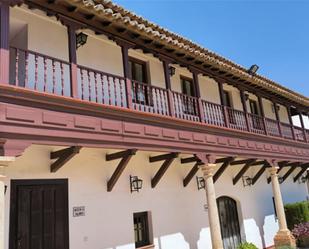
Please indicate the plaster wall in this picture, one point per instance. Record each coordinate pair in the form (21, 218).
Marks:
(179, 219)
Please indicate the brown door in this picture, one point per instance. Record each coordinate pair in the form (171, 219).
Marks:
(39, 214)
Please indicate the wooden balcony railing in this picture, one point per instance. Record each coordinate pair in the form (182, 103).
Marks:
(43, 73)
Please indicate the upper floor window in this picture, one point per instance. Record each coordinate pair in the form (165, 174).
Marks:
(138, 70)
(141, 229)
(253, 107)
(227, 99)
(187, 86)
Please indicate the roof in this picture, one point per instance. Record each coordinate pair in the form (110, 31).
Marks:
(108, 10)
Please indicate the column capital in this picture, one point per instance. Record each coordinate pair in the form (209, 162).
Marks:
(208, 169)
(273, 170)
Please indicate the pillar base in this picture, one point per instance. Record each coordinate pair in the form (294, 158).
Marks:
(284, 238)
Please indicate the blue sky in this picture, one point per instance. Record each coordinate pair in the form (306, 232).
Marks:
(273, 34)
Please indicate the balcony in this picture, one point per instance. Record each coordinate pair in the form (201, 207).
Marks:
(43, 73)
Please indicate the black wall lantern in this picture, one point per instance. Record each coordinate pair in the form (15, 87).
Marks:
(247, 181)
(253, 69)
(303, 179)
(81, 39)
(135, 184)
(172, 70)
(280, 179)
(200, 181)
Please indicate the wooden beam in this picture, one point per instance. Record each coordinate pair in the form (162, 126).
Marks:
(300, 173)
(245, 161)
(243, 170)
(63, 156)
(191, 174)
(126, 157)
(162, 157)
(288, 173)
(257, 163)
(168, 159)
(189, 159)
(223, 167)
(120, 154)
(260, 173)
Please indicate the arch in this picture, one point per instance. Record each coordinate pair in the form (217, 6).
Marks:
(229, 222)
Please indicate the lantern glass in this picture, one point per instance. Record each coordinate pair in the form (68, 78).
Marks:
(135, 184)
(247, 181)
(81, 39)
(172, 70)
(200, 183)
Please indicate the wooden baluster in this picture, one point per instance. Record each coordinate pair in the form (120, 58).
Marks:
(82, 84)
(36, 72)
(95, 75)
(120, 92)
(45, 75)
(54, 75)
(62, 79)
(17, 67)
(26, 69)
(116, 83)
(89, 85)
(102, 87)
(109, 90)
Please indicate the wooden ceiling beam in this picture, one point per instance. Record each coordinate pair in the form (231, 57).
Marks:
(191, 174)
(62, 156)
(126, 156)
(168, 159)
(162, 157)
(288, 173)
(260, 173)
(238, 162)
(243, 171)
(223, 167)
(300, 173)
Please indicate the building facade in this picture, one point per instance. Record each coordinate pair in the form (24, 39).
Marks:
(117, 134)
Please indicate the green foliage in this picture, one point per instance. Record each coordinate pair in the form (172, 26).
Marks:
(246, 245)
(297, 213)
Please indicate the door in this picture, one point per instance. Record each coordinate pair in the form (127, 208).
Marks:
(229, 223)
(188, 91)
(39, 214)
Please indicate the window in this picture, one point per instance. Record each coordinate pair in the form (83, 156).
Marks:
(138, 70)
(253, 107)
(138, 73)
(227, 99)
(141, 229)
(187, 87)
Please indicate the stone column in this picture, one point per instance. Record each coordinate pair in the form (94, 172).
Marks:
(213, 216)
(283, 236)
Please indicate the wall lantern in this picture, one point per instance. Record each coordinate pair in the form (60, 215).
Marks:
(303, 179)
(246, 181)
(280, 179)
(200, 181)
(135, 184)
(253, 69)
(172, 70)
(81, 39)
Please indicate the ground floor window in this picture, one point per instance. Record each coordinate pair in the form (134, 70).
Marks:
(141, 229)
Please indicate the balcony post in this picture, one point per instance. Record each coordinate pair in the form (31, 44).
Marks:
(222, 100)
(4, 42)
(303, 125)
(244, 104)
(277, 118)
(168, 86)
(283, 236)
(198, 95)
(125, 46)
(260, 100)
(291, 122)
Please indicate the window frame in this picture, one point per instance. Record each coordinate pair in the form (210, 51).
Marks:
(184, 78)
(144, 69)
(251, 101)
(145, 217)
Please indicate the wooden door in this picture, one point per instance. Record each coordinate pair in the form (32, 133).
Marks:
(39, 214)
(229, 222)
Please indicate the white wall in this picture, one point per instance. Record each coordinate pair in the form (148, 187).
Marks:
(178, 216)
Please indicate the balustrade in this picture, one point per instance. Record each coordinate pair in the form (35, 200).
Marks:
(46, 74)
